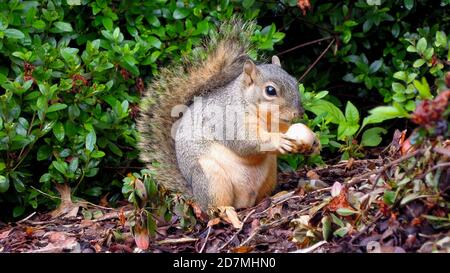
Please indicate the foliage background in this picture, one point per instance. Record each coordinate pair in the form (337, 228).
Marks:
(72, 72)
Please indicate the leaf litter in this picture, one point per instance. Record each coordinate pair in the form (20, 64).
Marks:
(397, 202)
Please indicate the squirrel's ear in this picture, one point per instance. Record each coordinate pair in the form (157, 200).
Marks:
(276, 60)
(250, 72)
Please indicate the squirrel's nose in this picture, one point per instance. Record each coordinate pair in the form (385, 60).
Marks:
(298, 113)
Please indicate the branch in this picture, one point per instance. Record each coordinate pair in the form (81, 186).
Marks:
(317, 60)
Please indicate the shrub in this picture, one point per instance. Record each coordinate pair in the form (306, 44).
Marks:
(71, 76)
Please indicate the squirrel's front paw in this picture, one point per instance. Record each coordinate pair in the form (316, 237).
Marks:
(285, 144)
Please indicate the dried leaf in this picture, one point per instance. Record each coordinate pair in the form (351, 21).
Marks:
(304, 5)
(5, 234)
(339, 201)
(242, 249)
(336, 189)
(213, 222)
(177, 241)
(312, 175)
(141, 237)
(67, 208)
(229, 215)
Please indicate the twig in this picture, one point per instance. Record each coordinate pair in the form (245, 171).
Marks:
(311, 248)
(365, 228)
(206, 239)
(317, 60)
(440, 165)
(358, 179)
(26, 218)
(304, 44)
(441, 151)
(273, 224)
(239, 230)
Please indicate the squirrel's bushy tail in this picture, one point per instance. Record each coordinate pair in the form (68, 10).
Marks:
(216, 63)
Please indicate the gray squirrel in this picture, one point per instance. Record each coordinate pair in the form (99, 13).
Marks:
(218, 171)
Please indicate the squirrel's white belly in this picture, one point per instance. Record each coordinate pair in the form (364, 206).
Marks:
(243, 176)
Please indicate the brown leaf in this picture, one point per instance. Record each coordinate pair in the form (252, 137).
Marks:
(242, 249)
(312, 175)
(29, 231)
(5, 234)
(104, 201)
(59, 242)
(304, 5)
(141, 237)
(122, 217)
(213, 222)
(67, 208)
(339, 201)
(350, 163)
(199, 214)
(97, 248)
(229, 215)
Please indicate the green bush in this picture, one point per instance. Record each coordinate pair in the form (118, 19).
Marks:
(71, 76)
(72, 73)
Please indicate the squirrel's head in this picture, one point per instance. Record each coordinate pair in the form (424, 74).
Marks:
(268, 85)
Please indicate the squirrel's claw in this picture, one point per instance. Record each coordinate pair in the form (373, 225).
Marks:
(286, 144)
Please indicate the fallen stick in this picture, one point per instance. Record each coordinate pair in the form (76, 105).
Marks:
(237, 232)
(206, 240)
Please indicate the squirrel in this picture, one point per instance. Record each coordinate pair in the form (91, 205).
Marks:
(213, 171)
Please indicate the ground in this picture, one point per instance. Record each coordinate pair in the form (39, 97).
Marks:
(337, 208)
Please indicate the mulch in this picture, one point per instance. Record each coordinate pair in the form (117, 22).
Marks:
(285, 222)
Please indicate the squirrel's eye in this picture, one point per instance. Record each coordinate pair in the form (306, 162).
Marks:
(271, 91)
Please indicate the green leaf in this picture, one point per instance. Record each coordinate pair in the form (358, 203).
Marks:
(428, 54)
(91, 139)
(63, 26)
(248, 3)
(389, 197)
(418, 63)
(56, 107)
(375, 66)
(372, 137)
(330, 111)
(401, 75)
(153, 41)
(351, 114)
(408, 198)
(18, 211)
(4, 184)
(73, 2)
(441, 39)
(423, 88)
(44, 152)
(58, 131)
(39, 24)
(341, 232)
(382, 113)
(94, 191)
(61, 166)
(107, 23)
(116, 150)
(326, 227)
(346, 211)
(181, 13)
(421, 45)
(409, 4)
(337, 220)
(97, 154)
(398, 87)
(14, 33)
